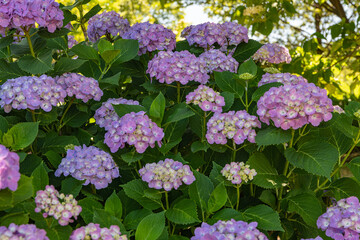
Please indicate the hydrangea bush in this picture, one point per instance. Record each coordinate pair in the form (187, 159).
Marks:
(134, 135)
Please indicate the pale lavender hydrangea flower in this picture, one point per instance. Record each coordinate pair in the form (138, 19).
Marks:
(31, 93)
(342, 221)
(9, 169)
(94, 231)
(228, 230)
(206, 98)
(167, 174)
(62, 207)
(169, 67)
(338, 109)
(71, 41)
(107, 23)
(151, 37)
(272, 53)
(235, 33)
(218, 61)
(23, 232)
(284, 78)
(89, 163)
(79, 86)
(237, 172)
(293, 106)
(237, 126)
(135, 129)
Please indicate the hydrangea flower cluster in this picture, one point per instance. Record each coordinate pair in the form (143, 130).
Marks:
(136, 129)
(169, 67)
(218, 61)
(342, 221)
(284, 78)
(237, 126)
(93, 231)
(235, 33)
(206, 98)
(31, 92)
(71, 41)
(89, 163)
(105, 115)
(338, 109)
(9, 169)
(237, 172)
(81, 87)
(52, 203)
(25, 13)
(167, 174)
(228, 230)
(23, 232)
(293, 106)
(107, 23)
(151, 37)
(272, 53)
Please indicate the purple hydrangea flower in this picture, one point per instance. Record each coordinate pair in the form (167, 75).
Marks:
(237, 126)
(89, 163)
(23, 232)
(62, 207)
(9, 169)
(237, 172)
(206, 98)
(25, 13)
(293, 106)
(235, 33)
(218, 61)
(342, 221)
(167, 174)
(71, 41)
(228, 230)
(93, 231)
(338, 109)
(272, 53)
(317, 238)
(135, 129)
(81, 87)
(107, 23)
(151, 37)
(169, 67)
(31, 93)
(106, 114)
(284, 78)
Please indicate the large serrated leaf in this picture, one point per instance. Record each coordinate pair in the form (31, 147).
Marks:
(217, 198)
(177, 113)
(225, 81)
(244, 50)
(354, 167)
(345, 187)
(36, 65)
(265, 216)
(200, 191)
(272, 136)
(183, 212)
(22, 135)
(151, 227)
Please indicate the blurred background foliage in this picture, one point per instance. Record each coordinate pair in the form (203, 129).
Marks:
(323, 35)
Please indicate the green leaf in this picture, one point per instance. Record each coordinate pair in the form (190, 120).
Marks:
(315, 157)
(177, 113)
(183, 212)
(259, 92)
(289, 7)
(133, 219)
(113, 205)
(46, 118)
(199, 146)
(88, 205)
(244, 50)
(354, 167)
(71, 186)
(226, 82)
(93, 11)
(165, 148)
(22, 135)
(217, 198)
(229, 100)
(105, 219)
(24, 191)
(54, 158)
(157, 109)
(58, 232)
(85, 52)
(58, 143)
(3, 125)
(10, 70)
(36, 65)
(110, 55)
(129, 49)
(227, 214)
(345, 187)
(122, 109)
(151, 227)
(5, 199)
(272, 136)
(335, 30)
(40, 178)
(104, 45)
(44, 33)
(17, 218)
(6, 41)
(268, 197)
(131, 157)
(200, 191)
(248, 67)
(65, 64)
(265, 216)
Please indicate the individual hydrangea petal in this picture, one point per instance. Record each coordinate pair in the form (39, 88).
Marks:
(25, 232)
(169, 67)
(293, 106)
(94, 231)
(218, 61)
(151, 37)
(237, 172)
(89, 163)
(106, 23)
(272, 53)
(9, 169)
(284, 78)
(167, 174)
(206, 98)
(60, 206)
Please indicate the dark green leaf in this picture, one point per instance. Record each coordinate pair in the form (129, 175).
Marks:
(345, 187)
(122, 109)
(105, 219)
(110, 55)
(36, 65)
(88, 205)
(129, 49)
(44, 33)
(10, 70)
(93, 11)
(259, 92)
(133, 219)
(104, 45)
(265, 216)
(272, 136)
(85, 52)
(40, 178)
(225, 81)
(58, 143)
(71, 186)
(157, 109)
(177, 113)
(217, 198)
(65, 64)
(354, 167)
(17, 218)
(183, 212)
(199, 146)
(22, 135)
(229, 100)
(244, 50)
(113, 205)
(24, 191)
(131, 157)
(200, 191)
(151, 227)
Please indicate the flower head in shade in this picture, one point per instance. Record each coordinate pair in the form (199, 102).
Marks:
(60, 206)
(206, 98)
(237, 172)
(151, 37)
(293, 106)
(135, 129)
(237, 126)
(31, 93)
(9, 169)
(218, 61)
(94, 231)
(169, 67)
(342, 221)
(107, 23)
(22, 232)
(167, 174)
(89, 163)
(228, 230)
(272, 53)
(284, 78)
(106, 114)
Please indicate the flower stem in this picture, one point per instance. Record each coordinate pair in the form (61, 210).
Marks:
(28, 38)
(167, 200)
(178, 92)
(66, 110)
(234, 152)
(237, 196)
(204, 128)
(82, 23)
(246, 96)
